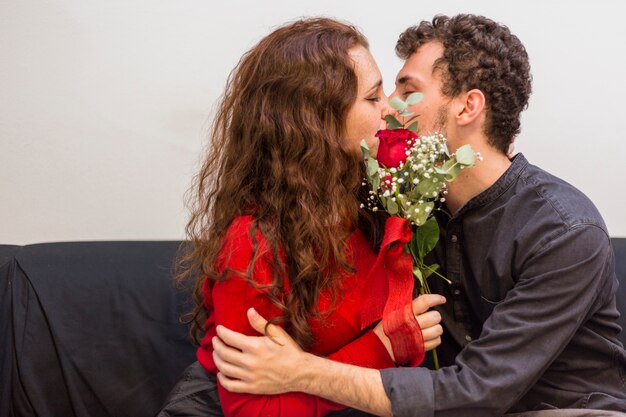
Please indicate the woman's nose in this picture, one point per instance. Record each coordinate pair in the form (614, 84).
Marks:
(386, 109)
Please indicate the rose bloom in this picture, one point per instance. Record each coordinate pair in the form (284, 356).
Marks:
(393, 146)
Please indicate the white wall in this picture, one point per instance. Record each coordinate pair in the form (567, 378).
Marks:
(104, 106)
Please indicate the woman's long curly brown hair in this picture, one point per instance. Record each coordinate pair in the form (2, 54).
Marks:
(277, 153)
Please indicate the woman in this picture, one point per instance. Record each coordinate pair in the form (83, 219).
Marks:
(277, 223)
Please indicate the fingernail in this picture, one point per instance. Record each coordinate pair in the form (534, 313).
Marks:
(253, 312)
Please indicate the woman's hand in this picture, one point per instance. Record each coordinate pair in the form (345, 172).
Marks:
(428, 321)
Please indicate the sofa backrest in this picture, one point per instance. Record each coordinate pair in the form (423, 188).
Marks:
(619, 247)
(93, 329)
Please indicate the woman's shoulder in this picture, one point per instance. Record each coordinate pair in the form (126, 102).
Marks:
(241, 241)
(238, 235)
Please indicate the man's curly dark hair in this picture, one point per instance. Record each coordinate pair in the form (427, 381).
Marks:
(478, 53)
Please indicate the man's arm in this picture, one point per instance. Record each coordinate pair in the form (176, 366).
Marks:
(521, 339)
(275, 364)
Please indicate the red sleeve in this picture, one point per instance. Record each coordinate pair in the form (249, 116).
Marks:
(367, 351)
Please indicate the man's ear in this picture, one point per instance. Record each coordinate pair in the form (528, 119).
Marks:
(471, 105)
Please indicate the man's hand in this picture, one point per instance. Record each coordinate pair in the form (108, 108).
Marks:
(428, 321)
(275, 364)
(257, 364)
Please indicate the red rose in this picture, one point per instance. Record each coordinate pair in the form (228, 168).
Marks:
(393, 145)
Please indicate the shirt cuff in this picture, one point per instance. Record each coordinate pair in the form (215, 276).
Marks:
(410, 391)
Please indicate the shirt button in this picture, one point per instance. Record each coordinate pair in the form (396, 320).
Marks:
(468, 337)
(457, 292)
(454, 239)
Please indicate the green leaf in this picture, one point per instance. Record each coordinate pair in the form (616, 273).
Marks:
(397, 104)
(372, 167)
(417, 273)
(392, 207)
(429, 270)
(413, 127)
(465, 155)
(392, 122)
(414, 98)
(406, 113)
(426, 237)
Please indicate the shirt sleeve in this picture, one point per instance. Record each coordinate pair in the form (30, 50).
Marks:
(231, 299)
(521, 338)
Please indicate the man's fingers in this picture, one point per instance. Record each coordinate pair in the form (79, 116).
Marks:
(429, 319)
(432, 333)
(233, 385)
(228, 369)
(276, 333)
(227, 353)
(426, 301)
(257, 322)
(431, 344)
(236, 340)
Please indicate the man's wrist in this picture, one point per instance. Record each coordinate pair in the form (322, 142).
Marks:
(305, 374)
(349, 385)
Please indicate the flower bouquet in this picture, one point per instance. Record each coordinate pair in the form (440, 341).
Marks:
(408, 179)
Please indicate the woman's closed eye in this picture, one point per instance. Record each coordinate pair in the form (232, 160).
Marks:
(374, 99)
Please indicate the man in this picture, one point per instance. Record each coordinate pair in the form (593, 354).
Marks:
(531, 309)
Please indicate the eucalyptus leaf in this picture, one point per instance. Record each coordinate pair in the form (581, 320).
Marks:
(453, 172)
(392, 122)
(375, 180)
(392, 207)
(465, 155)
(413, 127)
(372, 167)
(447, 166)
(429, 186)
(365, 149)
(401, 198)
(406, 113)
(414, 98)
(397, 104)
(424, 211)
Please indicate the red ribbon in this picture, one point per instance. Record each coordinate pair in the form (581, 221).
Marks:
(399, 322)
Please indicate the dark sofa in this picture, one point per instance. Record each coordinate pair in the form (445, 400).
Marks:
(92, 328)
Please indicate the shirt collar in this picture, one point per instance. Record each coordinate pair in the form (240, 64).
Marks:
(510, 176)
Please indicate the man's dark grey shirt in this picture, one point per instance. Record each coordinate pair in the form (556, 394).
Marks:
(531, 305)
